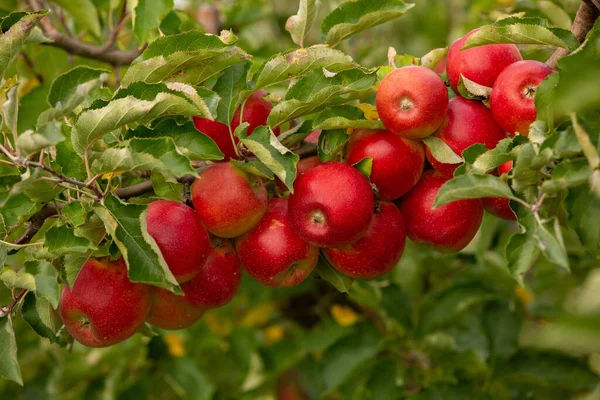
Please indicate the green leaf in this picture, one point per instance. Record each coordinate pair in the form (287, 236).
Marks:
(397, 305)
(584, 214)
(544, 99)
(344, 117)
(254, 167)
(522, 248)
(552, 245)
(228, 87)
(166, 188)
(75, 213)
(299, 25)
(588, 148)
(356, 16)
(296, 63)
(568, 174)
(61, 240)
(432, 59)
(178, 21)
(84, 13)
(9, 364)
(522, 31)
(502, 328)
(39, 315)
(12, 40)
(492, 159)
(319, 89)
(10, 109)
(190, 57)
(146, 16)
(473, 90)
(365, 166)
(137, 104)
(341, 282)
(441, 151)
(472, 187)
(126, 223)
(31, 142)
(17, 209)
(279, 159)
(331, 143)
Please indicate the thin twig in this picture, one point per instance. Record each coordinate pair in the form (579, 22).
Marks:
(7, 310)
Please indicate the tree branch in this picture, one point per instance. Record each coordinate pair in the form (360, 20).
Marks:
(6, 310)
(586, 15)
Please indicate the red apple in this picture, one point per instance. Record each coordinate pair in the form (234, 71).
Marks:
(313, 137)
(256, 112)
(172, 311)
(303, 165)
(219, 133)
(273, 253)
(468, 122)
(180, 236)
(397, 162)
(104, 307)
(499, 206)
(412, 101)
(378, 251)
(512, 98)
(440, 67)
(228, 200)
(480, 64)
(448, 228)
(218, 281)
(332, 205)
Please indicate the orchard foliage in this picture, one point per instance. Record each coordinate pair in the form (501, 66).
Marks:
(97, 100)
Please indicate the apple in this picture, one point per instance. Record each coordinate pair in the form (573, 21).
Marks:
(180, 236)
(480, 64)
(313, 137)
(378, 251)
(273, 253)
(256, 111)
(332, 205)
(228, 200)
(513, 94)
(303, 165)
(219, 133)
(500, 206)
(412, 101)
(218, 281)
(448, 228)
(104, 307)
(171, 311)
(397, 162)
(468, 122)
(440, 67)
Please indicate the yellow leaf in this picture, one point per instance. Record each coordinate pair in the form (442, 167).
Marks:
(111, 175)
(274, 334)
(525, 295)
(369, 110)
(344, 315)
(175, 345)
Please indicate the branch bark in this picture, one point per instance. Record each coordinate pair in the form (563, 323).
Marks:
(586, 15)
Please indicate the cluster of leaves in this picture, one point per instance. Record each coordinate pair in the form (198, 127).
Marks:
(508, 317)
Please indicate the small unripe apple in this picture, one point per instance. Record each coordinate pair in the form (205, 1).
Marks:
(468, 122)
(228, 200)
(378, 251)
(448, 228)
(218, 281)
(500, 206)
(480, 64)
(104, 307)
(273, 253)
(180, 236)
(397, 162)
(412, 101)
(171, 311)
(332, 205)
(303, 165)
(256, 112)
(513, 95)
(220, 134)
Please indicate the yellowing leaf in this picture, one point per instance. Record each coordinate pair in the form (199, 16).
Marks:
(111, 175)
(274, 334)
(524, 295)
(175, 345)
(369, 110)
(344, 315)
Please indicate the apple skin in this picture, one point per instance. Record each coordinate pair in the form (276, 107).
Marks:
(256, 112)
(448, 228)
(500, 206)
(513, 94)
(303, 165)
(468, 122)
(480, 64)
(273, 253)
(412, 101)
(219, 133)
(171, 311)
(104, 307)
(218, 281)
(228, 200)
(332, 205)
(397, 162)
(181, 238)
(313, 137)
(378, 251)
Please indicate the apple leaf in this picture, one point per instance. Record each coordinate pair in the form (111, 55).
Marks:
(254, 167)
(331, 143)
(126, 223)
(228, 87)
(344, 117)
(61, 240)
(365, 166)
(39, 277)
(299, 25)
(319, 89)
(568, 174)
(584, 214)
(441, 151)
(352, 17)
(84, 13)
(432, 59)
(279, 159)
(146, 16)
(473, 90)
(39, 315)
(472, 187)
(12, 39)
(492, 159)
(32, 141)
(341, 282)
(9, 365)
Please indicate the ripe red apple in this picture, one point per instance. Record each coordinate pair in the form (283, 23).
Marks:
(378, 251)
(256, 112)
(412, 101)
(440, 67)
(273, 253)
(228, 200)
(303, 165)
(180, 236)
(448, 228)
(218, 281)
(172, 311)
(397, 162)
(480, 64)
(219, 133)
(468, 122)
(512, 98)
(104, 307)
(499, 206)
(332, 205)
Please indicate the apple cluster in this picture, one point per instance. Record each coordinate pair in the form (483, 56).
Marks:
(358, 224)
